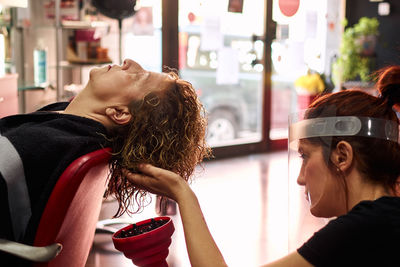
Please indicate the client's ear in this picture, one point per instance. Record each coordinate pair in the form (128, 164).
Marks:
(119, 115)
(342, 156)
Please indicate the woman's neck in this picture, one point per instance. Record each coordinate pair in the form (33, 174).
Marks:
(361, 189)
(84, 105)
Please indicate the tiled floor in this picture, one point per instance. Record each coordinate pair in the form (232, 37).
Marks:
(248, 209)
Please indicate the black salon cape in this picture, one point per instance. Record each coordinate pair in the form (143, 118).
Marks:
(369, 235)
(47, 143)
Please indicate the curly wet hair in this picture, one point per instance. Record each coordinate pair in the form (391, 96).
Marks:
(167, 130)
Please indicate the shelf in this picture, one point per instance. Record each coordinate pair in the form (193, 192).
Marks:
(67, 25)
(73, 64)
(78, 25)
(6, 24)
(357, 84)
(27, 86)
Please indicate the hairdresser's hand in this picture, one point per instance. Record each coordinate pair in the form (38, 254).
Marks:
(159, 181)
(203, 251)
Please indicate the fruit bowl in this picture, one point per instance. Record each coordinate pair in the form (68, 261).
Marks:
(146, 242)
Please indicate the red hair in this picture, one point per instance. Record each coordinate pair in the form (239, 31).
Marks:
(377, 159)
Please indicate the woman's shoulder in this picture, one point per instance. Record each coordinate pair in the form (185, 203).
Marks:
(386, 204)
(372, 216)
(380, 215)
(366, 235)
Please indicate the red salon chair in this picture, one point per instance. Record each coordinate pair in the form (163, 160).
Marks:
(67, 226)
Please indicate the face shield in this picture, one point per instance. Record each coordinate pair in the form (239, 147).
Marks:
(310, 133)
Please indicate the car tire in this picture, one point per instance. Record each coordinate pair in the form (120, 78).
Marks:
(222, 126)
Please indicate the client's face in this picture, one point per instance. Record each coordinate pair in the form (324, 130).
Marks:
(324, 190)
(122, 84)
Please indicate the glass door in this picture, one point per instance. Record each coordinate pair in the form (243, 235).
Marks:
(307, 39)
(221, 54)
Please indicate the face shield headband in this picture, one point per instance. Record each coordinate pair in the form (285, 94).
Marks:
(344, 126)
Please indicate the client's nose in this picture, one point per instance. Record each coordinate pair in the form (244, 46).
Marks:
(130, 64)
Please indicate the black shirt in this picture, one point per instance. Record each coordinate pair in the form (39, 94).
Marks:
(368, 235)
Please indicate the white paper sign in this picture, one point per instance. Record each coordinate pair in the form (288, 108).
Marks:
(311, 24)
(228, 66)
(211, 36)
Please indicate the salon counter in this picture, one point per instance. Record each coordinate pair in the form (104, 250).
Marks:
(8, 95)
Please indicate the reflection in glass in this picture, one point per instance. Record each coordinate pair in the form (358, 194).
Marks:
(218, 55)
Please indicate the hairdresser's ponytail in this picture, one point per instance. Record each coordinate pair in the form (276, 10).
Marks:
(388, 85)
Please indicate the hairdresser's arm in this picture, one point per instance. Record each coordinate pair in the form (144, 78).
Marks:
(201, 246)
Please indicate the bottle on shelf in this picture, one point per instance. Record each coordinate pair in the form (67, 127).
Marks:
(40, 64)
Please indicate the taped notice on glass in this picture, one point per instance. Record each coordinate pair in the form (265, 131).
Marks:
(228, 66)
(211, 36)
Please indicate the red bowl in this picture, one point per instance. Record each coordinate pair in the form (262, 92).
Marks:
(149, 249)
